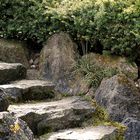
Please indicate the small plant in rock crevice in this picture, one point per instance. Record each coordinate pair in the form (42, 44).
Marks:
(101, 117)
(94, 73)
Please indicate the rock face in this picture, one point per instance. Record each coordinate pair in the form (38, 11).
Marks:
(89, 133)
(25, 90)
(32, 74)
(133, 128)
(53, 116)
(13, 52)
(12, 128)
(80, 85)
(10, 72)
(3, 101)
(121, 98)
(57, 60)
(119, 63)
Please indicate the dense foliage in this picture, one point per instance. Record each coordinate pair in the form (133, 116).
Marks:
(114, 23)
(22, 19)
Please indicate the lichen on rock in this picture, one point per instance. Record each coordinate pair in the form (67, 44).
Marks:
(12, 128)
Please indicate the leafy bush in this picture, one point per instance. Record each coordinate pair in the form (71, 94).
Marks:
(23, 20)
(115, 23)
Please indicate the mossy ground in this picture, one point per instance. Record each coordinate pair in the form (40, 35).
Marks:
(101, 117)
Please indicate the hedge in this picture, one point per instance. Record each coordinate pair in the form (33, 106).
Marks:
(114, 23)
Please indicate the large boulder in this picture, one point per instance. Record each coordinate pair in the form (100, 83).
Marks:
(3, 101)
(11, 71)
(57, 60)
(12, 128)
(121, 64)
(89, 133)
(12, 51)
(120, 97)
(52, 116)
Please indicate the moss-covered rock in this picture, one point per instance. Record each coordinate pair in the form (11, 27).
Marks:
(120, 97)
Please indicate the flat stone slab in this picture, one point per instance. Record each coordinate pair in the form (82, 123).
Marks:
(89, 133)
(25, 90)
(11, 72)
(43, 117)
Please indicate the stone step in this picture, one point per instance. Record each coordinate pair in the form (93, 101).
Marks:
(11, 72)
(44, 117)
(88, 133)
(26, 90)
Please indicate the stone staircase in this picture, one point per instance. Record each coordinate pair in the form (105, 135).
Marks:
(49, 116)
(10, 72)
(26, 90)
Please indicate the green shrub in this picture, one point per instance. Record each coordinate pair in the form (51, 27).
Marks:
(115, 23)
(23, 20)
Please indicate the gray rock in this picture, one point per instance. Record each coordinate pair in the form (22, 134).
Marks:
(52, 116)
(3, 101)
(57, 60)
(120, 97)
(12, 128)
(10, 72)
(25, 90)
(12, 51)
(89, 133)
(32, 74)
(133, 129)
